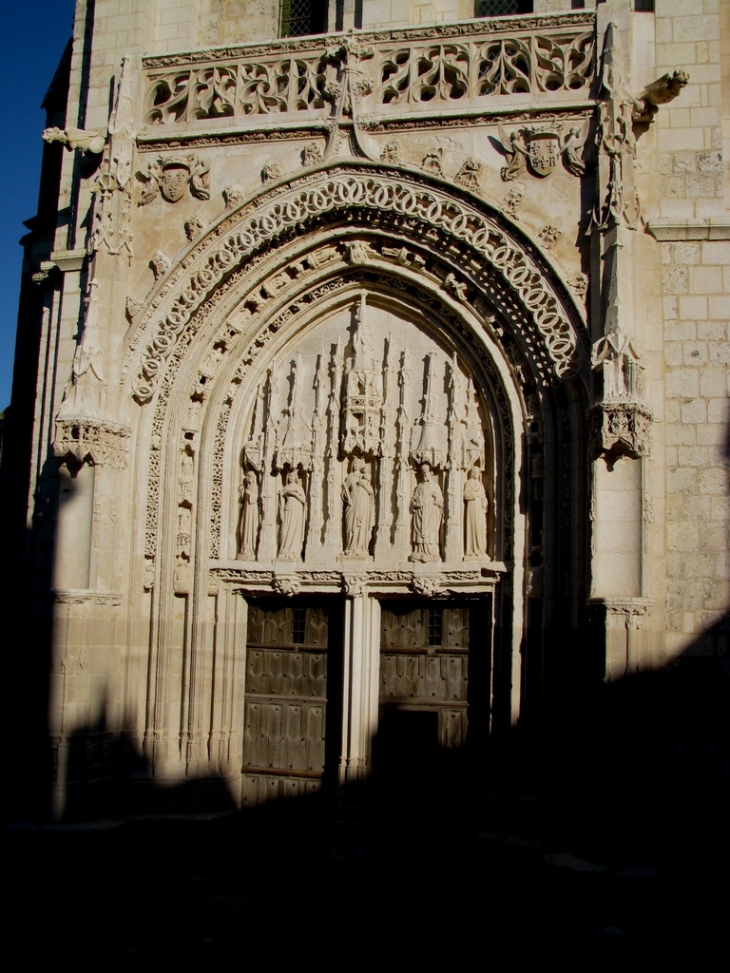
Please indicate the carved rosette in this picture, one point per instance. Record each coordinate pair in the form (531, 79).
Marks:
(92, 441)
(619, 429)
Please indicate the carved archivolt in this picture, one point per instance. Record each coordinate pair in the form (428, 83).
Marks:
(429, 212)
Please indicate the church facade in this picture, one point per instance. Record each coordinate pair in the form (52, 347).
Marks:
(380, 375)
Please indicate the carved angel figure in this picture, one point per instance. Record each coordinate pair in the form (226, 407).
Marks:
(292, 503)
(249, 517)
(427, 506)
(516, 152)
(571, 144)
(475, 516)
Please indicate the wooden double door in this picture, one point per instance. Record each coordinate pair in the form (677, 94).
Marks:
(434, 666)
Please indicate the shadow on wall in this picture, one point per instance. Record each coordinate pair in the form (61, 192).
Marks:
(611, 838)
(637, 765)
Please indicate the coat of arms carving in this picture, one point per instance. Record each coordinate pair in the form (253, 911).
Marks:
(541, 148)
(171, 178)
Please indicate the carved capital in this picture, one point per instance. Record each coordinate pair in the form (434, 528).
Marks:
(628, 609)
(353, 585)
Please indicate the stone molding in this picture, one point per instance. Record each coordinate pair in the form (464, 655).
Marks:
(440, 214)
(426, 584)
(671, 231)
(85, 596)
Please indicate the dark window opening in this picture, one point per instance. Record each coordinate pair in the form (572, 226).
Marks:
(302, 17)
(501, 8)
(299, 616)
(435, 625)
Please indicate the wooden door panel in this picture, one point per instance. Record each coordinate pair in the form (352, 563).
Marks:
(285, 702)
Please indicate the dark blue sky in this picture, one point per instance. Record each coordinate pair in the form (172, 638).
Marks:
(32, 40)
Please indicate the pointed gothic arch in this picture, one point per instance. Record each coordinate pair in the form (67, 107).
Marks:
(456, 282)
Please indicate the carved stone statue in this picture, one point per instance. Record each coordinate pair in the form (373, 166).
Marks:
(358, 497)
(571, 145)
(249, 517)
(427, 506)
(475, 516)
(292, 504)
(515, 150)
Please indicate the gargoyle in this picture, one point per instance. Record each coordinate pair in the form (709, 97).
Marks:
(659, 92)
(76, 138)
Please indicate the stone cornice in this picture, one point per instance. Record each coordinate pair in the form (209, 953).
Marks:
(670, 231)
(294, 45)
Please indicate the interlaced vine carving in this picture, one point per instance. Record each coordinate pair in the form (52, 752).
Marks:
(435, 213)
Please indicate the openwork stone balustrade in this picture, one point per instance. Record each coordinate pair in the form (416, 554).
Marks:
(448, 67)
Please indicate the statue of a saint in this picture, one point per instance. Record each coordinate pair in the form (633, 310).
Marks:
(358, 497)
(475, 516)
(427, 506)
(249, 517)
(292, 503)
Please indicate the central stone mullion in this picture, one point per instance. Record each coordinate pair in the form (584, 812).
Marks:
(360, 685)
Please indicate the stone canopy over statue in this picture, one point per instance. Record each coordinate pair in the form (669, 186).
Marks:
(369, 442)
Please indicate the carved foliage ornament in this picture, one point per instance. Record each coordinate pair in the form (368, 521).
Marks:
(342, 192)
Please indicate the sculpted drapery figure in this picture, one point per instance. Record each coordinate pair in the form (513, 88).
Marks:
(292, 504)
(358, 497)
(249, 517)
(475, 516)
(427, 506)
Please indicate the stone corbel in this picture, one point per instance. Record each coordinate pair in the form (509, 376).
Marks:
(92, 441)
(287, 585)
(618, 429)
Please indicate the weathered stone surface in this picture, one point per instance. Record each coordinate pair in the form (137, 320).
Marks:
(320, 380)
